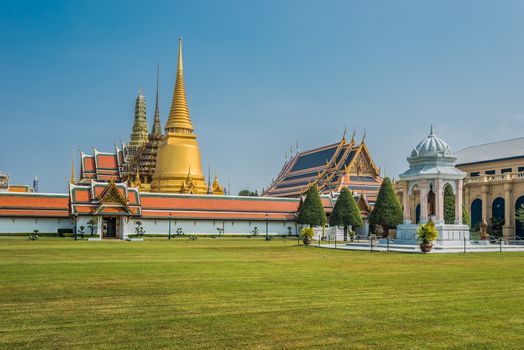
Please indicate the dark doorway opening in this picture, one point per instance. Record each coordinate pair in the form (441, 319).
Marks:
(109, 227)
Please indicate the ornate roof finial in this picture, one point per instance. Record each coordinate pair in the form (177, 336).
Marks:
(179, 118)
(431, 131)
(157, 128)
(344, 134)
(363, 136)
(353, 136)
(140, 93)
(209, 177)
(72, 180)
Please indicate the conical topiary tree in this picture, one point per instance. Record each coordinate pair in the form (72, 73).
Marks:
(387, 211)
(312, 211)
(346, 212)
(449, 205)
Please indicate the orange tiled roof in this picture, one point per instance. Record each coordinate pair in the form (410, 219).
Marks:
(107, 161)
(220, 203)
(34, 204)
(217, 207)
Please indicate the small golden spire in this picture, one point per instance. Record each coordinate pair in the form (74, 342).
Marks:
(353, 136)
(73, 170)
(137, 177)
(363, 136)
(179, 118)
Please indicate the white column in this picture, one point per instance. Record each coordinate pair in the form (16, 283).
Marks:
(439, 200)
(458, 203)
(509, 228)
(423, 185)
(123, 227)
(406, 203)
(485, 202)
(99, 226)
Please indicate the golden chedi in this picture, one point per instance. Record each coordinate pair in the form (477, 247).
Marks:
(178, 165)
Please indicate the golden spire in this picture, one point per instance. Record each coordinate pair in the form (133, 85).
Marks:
(73, 170)
(157, 129)
(137, 177)
(179, 119)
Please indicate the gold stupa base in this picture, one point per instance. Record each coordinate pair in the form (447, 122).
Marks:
(177, 184)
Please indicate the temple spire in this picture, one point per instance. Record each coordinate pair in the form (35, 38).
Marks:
(157, 128)
(179, 120)
(431, 131)
(139, 131)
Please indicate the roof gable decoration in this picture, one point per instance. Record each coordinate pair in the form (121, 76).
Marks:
(111, 197)
(362, 162)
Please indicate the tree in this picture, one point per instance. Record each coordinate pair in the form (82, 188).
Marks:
(346, 212)
(449, 205)
(312, 211)
(387, 211)
(91, 224)
(466, 218)
(449, 208)
(248, 193)
(519, 215)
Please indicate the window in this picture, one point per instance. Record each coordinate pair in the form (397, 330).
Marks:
(521, 168)
(490, 172)
(475, 174)
(506, 170)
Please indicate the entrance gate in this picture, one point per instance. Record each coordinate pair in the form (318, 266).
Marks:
(109, 227)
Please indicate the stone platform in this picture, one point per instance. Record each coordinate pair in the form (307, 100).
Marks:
(471, 247)
(448, 235)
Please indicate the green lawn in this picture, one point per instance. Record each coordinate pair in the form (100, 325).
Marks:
(251, 294)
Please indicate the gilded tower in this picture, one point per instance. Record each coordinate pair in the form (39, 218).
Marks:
(140, 132)
(178, 165)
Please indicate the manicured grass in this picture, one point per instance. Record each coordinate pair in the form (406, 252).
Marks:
(251, 294)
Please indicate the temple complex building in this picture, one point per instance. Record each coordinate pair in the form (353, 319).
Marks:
(152, 161)
(6, 186)
(155, 185)
(331, 167)
(494, 186)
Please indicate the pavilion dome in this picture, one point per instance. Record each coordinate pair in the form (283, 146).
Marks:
(432, 147)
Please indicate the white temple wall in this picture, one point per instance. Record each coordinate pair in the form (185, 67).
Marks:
(28, 225)
(161, 226)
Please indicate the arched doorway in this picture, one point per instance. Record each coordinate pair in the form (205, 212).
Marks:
(497, 208)
(497, 216)
(519, 228)
(476, 212)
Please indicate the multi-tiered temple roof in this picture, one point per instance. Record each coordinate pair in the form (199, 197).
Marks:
(332, 167)
(102, 166)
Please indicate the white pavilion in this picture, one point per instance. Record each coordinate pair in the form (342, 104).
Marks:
(431, 169)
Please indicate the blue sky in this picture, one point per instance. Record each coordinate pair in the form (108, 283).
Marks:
(259, 76)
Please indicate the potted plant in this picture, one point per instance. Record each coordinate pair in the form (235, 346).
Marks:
(139, 229)
(307, 234)
(427, 234)
(34, 236)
